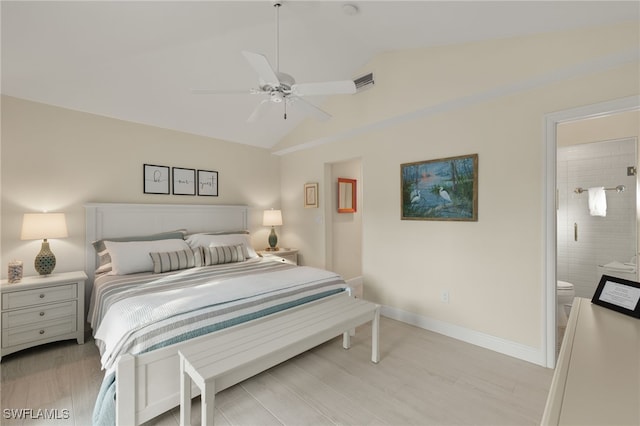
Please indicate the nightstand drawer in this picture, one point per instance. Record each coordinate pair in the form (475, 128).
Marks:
(284, 255)
(284, 259)
(19, 299)
(38, 314)
(290, 258)
(35, 332)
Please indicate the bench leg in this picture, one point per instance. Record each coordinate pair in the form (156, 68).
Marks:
(346, 339)
(185, 396)
(375, 336)
(207, 400)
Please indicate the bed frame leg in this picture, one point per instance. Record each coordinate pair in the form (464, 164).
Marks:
(126, 390)
(375, 336)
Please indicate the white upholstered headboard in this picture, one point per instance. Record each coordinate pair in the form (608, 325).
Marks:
(120, 220)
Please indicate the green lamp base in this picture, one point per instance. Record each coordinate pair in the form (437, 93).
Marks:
(273, 240)
(45, 260)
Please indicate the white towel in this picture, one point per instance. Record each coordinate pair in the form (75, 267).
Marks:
(597, 201)
(620, 266)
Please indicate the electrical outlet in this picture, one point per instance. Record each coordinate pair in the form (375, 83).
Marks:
(444, 296)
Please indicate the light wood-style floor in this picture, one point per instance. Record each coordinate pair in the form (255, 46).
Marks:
(423, 378)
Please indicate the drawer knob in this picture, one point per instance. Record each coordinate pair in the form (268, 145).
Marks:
(42, 296)
(41, 331)
(41, 314)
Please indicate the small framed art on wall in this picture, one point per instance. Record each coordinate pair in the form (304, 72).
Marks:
(208, 183)
(310, 195)
(155, 179)
(184, 181)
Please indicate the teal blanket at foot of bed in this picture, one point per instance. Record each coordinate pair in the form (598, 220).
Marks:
(104, 412)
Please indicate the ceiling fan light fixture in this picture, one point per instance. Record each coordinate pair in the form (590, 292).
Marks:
(277, 97)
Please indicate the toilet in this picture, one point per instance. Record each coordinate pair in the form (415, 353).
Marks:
(564, 295)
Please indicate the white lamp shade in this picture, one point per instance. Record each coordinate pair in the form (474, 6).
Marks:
(39, 226)
(272, 218)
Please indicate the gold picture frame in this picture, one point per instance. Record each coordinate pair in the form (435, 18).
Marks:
(310, 195)
(442, 189)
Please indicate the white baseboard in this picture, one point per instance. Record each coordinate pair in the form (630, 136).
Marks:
(516, 350)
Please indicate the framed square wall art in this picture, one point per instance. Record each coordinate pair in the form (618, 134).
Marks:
(310, 195)
(155, 179)
(184, 181)
(443, 189)
(208, 183)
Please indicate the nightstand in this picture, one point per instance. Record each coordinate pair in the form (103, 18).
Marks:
(285, 255)
(42, 309)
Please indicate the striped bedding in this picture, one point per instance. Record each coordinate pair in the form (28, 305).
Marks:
(138, 313)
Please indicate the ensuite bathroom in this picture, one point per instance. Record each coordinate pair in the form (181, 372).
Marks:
(597, 214)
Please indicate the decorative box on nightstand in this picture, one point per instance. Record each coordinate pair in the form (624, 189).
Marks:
(42, 309)
(286, 255)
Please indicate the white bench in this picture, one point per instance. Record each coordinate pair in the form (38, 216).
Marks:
(237, 353)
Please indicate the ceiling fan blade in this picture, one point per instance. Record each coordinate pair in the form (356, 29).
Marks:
(261, 65)
(219, 92)
(259, 111)
(344, 87)
(308, 108)
(228, 92)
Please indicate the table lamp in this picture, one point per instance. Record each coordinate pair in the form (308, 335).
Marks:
(40, 226)
(272, 218)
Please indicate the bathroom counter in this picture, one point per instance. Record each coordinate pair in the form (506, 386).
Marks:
(597, 378)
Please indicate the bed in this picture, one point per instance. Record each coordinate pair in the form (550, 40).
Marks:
(164, 276)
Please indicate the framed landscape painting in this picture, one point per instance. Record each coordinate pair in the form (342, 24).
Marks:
(443, 189)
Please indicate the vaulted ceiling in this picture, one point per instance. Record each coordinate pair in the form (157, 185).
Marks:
(139, 61)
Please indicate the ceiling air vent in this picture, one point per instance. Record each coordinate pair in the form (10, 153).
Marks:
(364, 82)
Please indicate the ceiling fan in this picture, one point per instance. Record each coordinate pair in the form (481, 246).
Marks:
(279, 88)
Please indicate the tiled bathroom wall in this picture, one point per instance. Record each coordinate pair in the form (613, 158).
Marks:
(585, 241)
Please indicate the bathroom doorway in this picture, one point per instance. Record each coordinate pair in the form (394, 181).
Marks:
(594, 233)
(553, 121)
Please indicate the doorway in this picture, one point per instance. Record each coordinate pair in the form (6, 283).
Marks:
(552, 121)
(344, 237)
(592, 236)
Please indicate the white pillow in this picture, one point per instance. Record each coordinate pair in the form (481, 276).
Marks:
(208, 240)
(132, 257)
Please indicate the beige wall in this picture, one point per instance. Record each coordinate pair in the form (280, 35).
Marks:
(57, 160)
(488, 98)
(598, 129)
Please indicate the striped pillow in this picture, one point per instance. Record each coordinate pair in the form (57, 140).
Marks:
(104, 257)
(223, 254)
(176, 260)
